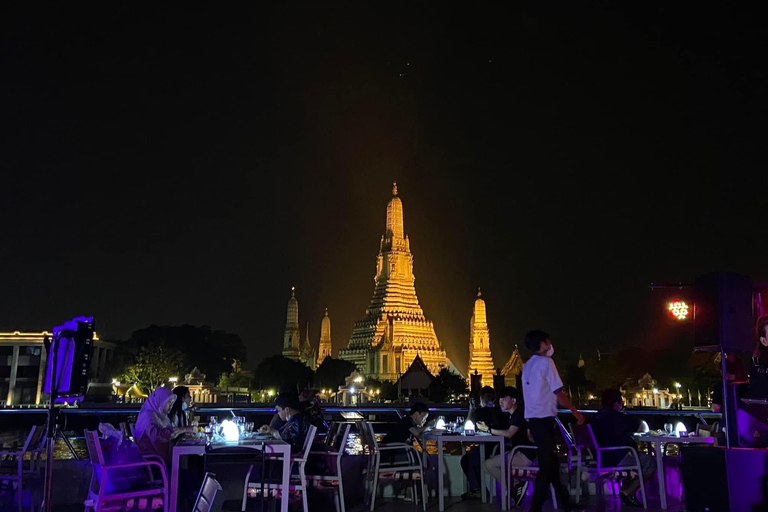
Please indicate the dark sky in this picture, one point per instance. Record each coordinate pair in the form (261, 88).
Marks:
(189, 164)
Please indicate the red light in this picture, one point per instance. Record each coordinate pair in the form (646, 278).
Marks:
(678, 309)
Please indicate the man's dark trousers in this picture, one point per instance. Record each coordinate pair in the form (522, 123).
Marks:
(543, 432)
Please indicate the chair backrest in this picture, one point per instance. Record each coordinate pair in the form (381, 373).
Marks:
(339, 442)
(373, 442)
(330, 435)
(94, 446)
(311, 433)
(567, 438)
(584, 438)
(362, 434)
(210, 498)
(33, 439)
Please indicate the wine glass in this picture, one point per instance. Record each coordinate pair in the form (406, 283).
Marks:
(668, 428)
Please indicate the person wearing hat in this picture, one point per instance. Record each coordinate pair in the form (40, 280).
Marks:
(542, 391)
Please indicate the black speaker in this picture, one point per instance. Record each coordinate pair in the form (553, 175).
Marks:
(70, 351)
(722, 312)
(723, 480)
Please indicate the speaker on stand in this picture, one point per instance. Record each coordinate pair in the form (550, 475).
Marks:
(70, 351)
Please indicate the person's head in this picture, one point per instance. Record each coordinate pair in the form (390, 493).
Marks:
(761, 339)
(419, 413)
(487, 395)
(183, 397)
(538, 342)
(612, 399)
(160, 401)
(287, 405)
(509, 398)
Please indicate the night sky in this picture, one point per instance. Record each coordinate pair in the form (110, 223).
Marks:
(190, 164)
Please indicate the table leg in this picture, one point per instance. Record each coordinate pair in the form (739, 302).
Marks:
(440, 469)
(174, 477)
(504, 470)
(286, 481)
(660, 473)
(482, 473)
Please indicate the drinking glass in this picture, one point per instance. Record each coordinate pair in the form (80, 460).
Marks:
(249, 427)
(668, 428)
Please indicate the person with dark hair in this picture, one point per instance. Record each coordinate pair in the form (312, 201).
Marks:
(614, 427)
(309, 401)
(179, 414)
(758, 366)
(542, 390)
(487, 411)
(516, 433)
(295, 424)
(486, 414)
(409, 428)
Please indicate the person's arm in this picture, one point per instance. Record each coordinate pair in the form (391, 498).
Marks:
(562, 399)
(505, 432)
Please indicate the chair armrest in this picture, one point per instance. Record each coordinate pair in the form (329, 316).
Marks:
(151, 457)
(608, 448)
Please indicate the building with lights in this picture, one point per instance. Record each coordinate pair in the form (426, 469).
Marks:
(325, 348)
(394, 330)
(23, 359)
(306, 352)
(480, 358)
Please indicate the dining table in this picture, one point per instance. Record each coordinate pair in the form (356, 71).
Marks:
(197, 446)
(479, 438)
(657, 440)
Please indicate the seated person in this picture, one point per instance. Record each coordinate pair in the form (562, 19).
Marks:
(294, 430)
(154, 432)
(182, 407)
(487, 414)
(407, 430)
(310, 404)
(758, 366)
(516, 434)
(613, 427)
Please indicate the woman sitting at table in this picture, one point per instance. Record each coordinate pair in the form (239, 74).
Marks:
(154, 432)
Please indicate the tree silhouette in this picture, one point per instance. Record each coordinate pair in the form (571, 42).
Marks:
(332, 372)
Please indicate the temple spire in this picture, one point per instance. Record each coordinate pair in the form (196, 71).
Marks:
(394, 329)
(480, 358)
(291, 336)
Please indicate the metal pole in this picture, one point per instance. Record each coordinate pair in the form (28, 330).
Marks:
(51, 430)
(726, 400)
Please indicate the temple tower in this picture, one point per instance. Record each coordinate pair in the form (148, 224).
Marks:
(307, 355)
(291, 338)
(394, 330)
(325, 348)
(480, 358)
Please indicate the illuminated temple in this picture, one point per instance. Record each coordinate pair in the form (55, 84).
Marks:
(394, 330)
(480, 359)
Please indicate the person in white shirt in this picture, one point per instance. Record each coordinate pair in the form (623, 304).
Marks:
(542, 390)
